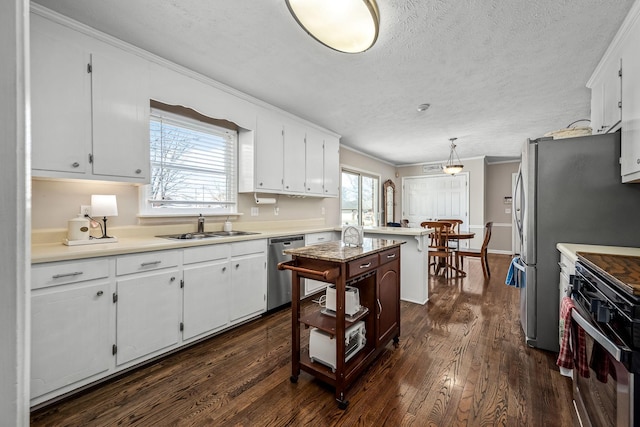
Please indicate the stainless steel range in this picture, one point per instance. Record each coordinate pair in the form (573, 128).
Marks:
(607, 304)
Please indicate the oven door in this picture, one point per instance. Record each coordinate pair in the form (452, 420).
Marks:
(600, 403)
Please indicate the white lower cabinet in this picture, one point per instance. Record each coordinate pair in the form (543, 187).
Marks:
(70, 340)
(95, 317)
(71, 337)
(248, 279)
(207, 278)
(149, 305)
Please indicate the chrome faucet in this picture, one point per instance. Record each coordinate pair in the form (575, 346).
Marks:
(200, 224)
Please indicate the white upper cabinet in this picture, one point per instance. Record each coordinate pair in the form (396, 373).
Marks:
(606, 98)
(270, 151)
(331, 172)
(294, 158)
(615, 96)
(120, 116)
(90, 107)
(285, 156)
(61, 95)
(630, 149)
(314, 171)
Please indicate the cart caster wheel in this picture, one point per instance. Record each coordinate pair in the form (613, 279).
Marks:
(342, 404)
(293, 379)
(396, 342)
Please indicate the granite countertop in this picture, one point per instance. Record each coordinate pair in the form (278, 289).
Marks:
(337, 251)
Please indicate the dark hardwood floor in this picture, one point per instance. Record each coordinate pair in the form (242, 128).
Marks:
(462, 361)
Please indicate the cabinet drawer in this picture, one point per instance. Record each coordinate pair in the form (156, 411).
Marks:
(567, 268)
(60, 273)
(314, 238)
(206, 253)
(146, 262)
(362, 265)
(389, 255)
(248, 247)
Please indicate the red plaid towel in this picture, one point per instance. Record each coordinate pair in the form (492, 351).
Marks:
(566, 356)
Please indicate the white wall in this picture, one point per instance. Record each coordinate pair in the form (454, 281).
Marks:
(14, 218)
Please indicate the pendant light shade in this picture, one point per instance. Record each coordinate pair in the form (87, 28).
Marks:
(349, 26)
(453, 166)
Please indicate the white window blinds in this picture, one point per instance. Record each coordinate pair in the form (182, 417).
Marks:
(193, 166)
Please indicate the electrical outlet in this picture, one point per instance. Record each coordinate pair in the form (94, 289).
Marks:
(323, 210)
(85, 210)
(255, 211)
(276, 210)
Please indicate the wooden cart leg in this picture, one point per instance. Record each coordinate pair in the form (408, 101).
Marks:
(342, 402)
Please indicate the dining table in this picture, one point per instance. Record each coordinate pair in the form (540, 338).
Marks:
(463, 235)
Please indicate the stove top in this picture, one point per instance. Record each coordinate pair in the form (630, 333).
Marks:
(622, 270)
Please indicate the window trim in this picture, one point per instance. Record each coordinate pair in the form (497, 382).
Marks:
(187, 115)
(362, 172)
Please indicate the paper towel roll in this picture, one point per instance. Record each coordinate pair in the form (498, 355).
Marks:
(265, 201)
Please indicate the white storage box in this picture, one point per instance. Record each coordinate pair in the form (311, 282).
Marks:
(351, 296)
(322, 346)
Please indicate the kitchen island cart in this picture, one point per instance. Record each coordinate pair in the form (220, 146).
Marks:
(374, 269)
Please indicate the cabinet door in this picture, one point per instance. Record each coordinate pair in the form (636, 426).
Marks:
(205, 298)
(60, 101)
(269, 153)
(69, 335)
(314, 163)
(294, 158)
(248, 286)
(148, 314)
(388, 297)
(120, 116)
(630, 145)
(331, 174)
(611, 96)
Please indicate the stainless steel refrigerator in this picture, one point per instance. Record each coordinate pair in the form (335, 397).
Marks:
(567, 190)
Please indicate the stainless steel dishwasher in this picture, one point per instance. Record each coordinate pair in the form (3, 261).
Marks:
(279, 281)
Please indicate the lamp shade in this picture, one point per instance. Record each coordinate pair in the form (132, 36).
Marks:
(349, 26)
(104, 205)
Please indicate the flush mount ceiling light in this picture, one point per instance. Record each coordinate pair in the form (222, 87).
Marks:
(450, 167)
(349, 26)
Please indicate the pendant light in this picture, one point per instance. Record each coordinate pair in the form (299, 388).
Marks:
(450, 167)
(349, 26)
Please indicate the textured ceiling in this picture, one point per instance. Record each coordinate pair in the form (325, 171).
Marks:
(494, 72)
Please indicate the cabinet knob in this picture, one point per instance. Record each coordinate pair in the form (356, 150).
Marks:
(138, 171)
(237, 266)
(172, 279)
(224, 269)
(637, 161)
(99, 293)
(260, 184)
(75, 164)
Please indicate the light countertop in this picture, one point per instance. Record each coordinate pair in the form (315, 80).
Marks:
(570, 249)
(57, 251)
(397, 231)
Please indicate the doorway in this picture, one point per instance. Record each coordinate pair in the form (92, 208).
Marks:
(427, 198)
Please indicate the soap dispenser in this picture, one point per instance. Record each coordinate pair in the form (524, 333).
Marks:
(227, 225)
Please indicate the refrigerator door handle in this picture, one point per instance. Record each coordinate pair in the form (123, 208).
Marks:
(518, 194)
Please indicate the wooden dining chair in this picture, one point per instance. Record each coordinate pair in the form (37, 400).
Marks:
(455, 224)
(439, 250)
(478, 253)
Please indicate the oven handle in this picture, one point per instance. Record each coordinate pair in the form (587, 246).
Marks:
(598, 336)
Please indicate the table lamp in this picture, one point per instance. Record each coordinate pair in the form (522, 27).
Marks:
(104, 205)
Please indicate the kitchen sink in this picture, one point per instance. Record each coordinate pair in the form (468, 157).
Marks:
(208, 235)
(231, 233)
